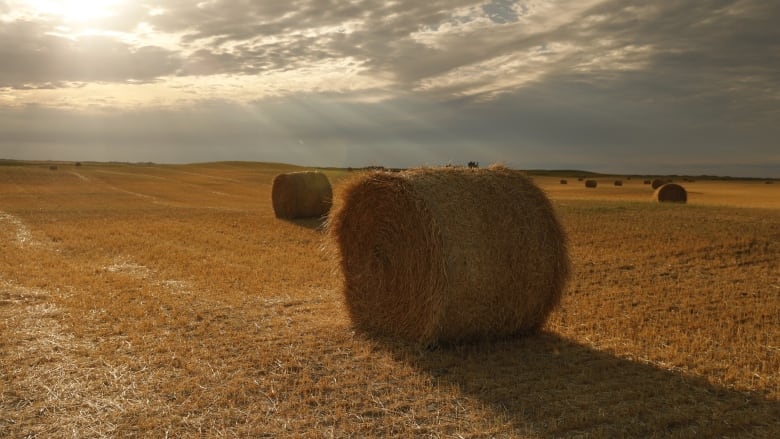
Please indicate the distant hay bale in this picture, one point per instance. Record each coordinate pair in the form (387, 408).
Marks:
(656, 183)
(53, 168)
(301, 195)
(564, 182)
(618, 183)
(647, 182)
(671, 192)
(591, 183)
(448, 254)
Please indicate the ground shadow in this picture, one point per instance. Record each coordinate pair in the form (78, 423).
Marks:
(316, 223)
(552, 387)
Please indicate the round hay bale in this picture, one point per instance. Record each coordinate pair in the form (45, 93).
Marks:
(448, 254)
(647, 182)
(301, 195)
(671, 192)
(656, 183)
(564, 182)
(591, 183)
(618, 183)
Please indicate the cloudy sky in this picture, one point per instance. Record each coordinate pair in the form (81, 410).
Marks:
(688, 86)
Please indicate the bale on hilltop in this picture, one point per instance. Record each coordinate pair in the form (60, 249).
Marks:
(301, 195)
(671, 192)
(591, 183)
(447, 254)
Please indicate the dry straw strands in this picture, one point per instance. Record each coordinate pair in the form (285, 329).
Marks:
(591, 183)
(671, 192)
(448, 254)
(301, 195)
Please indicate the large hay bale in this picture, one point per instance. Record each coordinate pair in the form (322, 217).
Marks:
(301, 195)
(449, 254)
(591, 183)
(671, 192)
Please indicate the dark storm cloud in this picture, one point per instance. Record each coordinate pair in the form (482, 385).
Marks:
(554, 127)
(700, 47)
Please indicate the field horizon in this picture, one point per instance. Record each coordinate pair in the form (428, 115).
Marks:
(533, 172)
(168, 301)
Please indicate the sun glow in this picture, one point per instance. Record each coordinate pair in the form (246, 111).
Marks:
(73, 10)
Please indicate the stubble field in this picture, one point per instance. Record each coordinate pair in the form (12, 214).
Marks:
(168, 301)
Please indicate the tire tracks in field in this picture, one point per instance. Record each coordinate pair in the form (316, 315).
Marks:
(57, 387)
(21, 232)
(53, 382)
(126, 266)
(68, 382)
(82, 177)
(157, 200)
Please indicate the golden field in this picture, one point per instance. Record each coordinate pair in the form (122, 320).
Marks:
(168, 301)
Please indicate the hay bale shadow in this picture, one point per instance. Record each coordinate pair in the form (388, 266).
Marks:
(313, 223)
(554, 387)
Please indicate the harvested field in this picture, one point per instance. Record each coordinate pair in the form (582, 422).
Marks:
(156, 301)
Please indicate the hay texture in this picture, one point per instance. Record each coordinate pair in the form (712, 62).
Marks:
(671, 192)
(591, 183)
(448, 254)
(301, 195)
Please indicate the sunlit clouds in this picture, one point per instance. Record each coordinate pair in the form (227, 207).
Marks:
(598, 83)
(69, 11)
